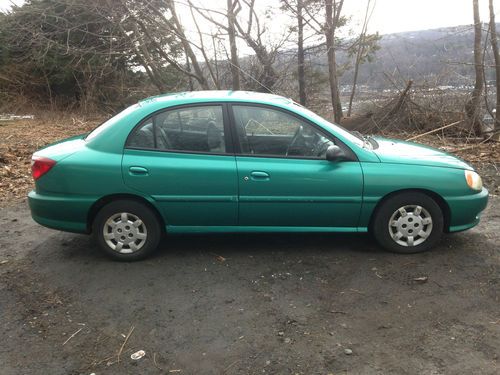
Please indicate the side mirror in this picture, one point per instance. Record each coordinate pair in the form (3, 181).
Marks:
(334, 153)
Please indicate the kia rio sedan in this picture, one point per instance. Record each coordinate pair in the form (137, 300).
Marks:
(224, 161)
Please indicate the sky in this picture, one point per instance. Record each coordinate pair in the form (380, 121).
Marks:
(389, 16)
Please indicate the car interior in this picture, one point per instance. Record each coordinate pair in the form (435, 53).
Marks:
(270, 132)
(191, 129)
(260, 131)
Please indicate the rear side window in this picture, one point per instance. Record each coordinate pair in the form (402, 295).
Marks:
(113, 120)
(143, 137)
(190, 129)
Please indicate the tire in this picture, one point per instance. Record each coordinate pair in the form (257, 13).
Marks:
(129, 223)
(406, 215)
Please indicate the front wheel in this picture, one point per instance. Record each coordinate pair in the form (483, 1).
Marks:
(127, 230)
(408, 223)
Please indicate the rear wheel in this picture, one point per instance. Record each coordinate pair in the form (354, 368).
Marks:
(408, 223)
(127, 230)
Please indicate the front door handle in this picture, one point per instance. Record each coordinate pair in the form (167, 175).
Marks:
(138, 171)
(259, 175)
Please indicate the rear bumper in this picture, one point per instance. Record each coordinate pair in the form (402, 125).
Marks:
(66, 213)
(465, 211)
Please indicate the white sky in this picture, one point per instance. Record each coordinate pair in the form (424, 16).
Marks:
(392, 16)
(389, 16)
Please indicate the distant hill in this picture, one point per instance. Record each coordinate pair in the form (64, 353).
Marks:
(440, 57)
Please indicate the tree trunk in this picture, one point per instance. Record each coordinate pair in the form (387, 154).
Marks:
(235, 65)
(190, 79)
(144, 58)
(331, 24)
(355, 79)
(473, 106)
(494, 46)
(359, 56)
(269, 76)
(200, 77)
(300, 54)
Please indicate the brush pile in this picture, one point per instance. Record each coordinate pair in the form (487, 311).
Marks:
(418, 111)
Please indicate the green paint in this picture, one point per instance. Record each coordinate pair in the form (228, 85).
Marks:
(202, 192)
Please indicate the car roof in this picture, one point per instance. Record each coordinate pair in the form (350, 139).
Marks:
(215, 95)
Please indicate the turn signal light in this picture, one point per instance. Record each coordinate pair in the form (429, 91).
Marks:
(473, 180)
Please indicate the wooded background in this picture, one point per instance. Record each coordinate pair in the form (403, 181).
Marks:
(102, 55)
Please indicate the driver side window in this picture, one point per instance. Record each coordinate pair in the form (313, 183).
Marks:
(265, 131)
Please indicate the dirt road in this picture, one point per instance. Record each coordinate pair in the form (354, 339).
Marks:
(248, 304)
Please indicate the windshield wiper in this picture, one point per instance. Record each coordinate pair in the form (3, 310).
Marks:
(366, 140)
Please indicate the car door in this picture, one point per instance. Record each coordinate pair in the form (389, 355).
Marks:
(284, 178)
(182, 158)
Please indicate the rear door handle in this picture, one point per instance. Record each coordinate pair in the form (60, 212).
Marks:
(259, 175)
(138, 171)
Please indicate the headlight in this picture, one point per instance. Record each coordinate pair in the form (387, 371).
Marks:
(473, 180)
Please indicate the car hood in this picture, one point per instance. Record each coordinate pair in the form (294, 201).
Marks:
(401, 152)
(62, 149)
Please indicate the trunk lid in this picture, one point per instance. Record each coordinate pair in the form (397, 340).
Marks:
(62, 149)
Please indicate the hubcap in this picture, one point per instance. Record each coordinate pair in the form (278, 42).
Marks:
(410, 225)
(125, 233)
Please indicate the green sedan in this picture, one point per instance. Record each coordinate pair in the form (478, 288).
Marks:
(233, 161)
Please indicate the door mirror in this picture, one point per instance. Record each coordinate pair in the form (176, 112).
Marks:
(334, 153)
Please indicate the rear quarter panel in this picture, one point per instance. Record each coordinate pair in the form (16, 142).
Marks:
(64, 196)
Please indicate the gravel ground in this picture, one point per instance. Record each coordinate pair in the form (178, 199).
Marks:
(248, 304)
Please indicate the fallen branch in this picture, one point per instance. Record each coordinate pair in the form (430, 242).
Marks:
(231, 365)
(124, 343)
(473, 146)
(156, 364)
(434, 130)
(73, 335)
(401, 100)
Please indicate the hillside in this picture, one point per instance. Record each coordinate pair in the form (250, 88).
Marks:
(441, 57)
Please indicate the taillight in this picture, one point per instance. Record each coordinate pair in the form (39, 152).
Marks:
(40, 165)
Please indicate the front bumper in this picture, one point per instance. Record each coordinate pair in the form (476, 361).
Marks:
(67, 213)
(465, 211)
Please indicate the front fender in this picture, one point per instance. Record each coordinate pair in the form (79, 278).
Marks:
(382, 179)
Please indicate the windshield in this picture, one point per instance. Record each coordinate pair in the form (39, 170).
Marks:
(336, 129)
(113, 120)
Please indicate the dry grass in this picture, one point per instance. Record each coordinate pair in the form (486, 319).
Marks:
(18, 141)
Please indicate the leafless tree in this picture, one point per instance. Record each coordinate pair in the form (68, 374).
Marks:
(473, 106)
(176, 25)
(232, 9)
(496, 55)
(212, 15)
(333, 11)
(325, 17)
(202, 49)
(297, 9)
(251, 31)
(249, 27)
(361, 49)
(152, 28)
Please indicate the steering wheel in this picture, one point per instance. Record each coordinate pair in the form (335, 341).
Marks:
(296, 136)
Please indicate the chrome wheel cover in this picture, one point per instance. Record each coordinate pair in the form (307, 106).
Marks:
(410, 225)
(125, 233)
